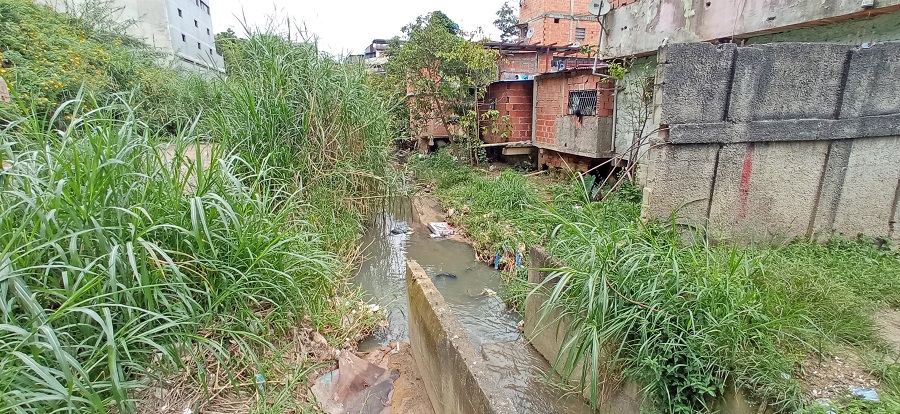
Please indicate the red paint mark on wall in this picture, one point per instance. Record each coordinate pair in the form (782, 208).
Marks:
(744, 189)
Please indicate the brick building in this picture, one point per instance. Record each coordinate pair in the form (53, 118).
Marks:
(569, 115)
(548, 66)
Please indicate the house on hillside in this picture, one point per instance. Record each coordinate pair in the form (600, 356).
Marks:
(180, 28)
(548, 88)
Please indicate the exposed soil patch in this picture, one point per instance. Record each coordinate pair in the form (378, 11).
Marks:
(831, 377)
(409, 395)
(888, 323)
(428, 209)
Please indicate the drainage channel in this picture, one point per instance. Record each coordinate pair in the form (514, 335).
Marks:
(468, 287)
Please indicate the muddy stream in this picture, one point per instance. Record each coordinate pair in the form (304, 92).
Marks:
(468, 286)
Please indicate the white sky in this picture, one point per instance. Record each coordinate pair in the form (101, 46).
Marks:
(348, 26)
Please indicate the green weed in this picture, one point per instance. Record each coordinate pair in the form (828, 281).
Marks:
(116, 254)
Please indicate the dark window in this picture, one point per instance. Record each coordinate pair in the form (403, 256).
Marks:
(179, 12)
(210, 51)
(207, 32)
(195, 24)
(583, 102)
(183, 38)
(580, 33)
(555, 20)
(198, 45)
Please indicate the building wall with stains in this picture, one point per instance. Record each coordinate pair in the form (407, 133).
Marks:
(641, 27)
(778, 141)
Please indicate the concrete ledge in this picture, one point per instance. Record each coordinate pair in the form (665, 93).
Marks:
(454, 378)
(785, 130)
(548, 332)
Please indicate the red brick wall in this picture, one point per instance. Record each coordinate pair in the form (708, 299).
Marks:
(533, 8)
(553, 100)
(547, 31)
(517, 63)
(513, 99)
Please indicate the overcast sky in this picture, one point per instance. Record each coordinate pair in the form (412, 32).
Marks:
(348, 26)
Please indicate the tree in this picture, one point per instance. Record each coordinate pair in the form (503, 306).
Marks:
(227, 45)
(446, 74)
(507, 22)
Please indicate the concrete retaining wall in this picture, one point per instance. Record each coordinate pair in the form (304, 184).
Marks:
(778, 141)
(547, 332)
(446, 359)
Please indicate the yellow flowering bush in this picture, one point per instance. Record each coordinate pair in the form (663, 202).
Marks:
(47, 58)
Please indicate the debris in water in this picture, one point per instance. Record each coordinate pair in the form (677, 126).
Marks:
(401, 229)
(441, 228)
(868, 394)
(447, 275)
(488, 292)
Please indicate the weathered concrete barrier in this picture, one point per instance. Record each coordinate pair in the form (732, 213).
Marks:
(447, 361)
(548, 331)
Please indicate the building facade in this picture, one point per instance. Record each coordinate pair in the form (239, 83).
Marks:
(180, 28)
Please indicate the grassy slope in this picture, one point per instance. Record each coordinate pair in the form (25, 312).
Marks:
(717, 315)
(113, 266)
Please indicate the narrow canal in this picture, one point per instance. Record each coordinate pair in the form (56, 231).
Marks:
(468, 286)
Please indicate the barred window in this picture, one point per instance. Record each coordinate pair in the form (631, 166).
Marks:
(583, 102)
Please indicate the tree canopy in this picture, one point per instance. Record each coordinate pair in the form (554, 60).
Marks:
(507, 22)
(445, 73)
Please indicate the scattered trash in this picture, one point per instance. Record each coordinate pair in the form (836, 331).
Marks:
(518, 259)
(488, 292)
(187, 411)
(261, 383)
(497, 259)
(435, 236)
(357, 386)
(868, 394)
(446, 275)
(441, 228)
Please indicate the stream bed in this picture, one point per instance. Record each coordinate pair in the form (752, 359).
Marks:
(467, 285)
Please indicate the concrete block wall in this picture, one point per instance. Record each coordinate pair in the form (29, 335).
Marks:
(512, 99)
(779, 141)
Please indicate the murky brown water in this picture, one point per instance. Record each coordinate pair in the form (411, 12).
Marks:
(490, 326)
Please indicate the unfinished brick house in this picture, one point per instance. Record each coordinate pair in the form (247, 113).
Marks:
(546, 65)
(548, 89)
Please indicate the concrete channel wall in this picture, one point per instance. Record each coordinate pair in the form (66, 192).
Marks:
(548, 331)
(447, 361)
(779, 141)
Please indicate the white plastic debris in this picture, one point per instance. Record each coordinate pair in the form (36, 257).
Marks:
(441, 228)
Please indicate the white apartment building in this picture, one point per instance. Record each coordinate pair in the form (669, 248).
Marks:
(182, 28)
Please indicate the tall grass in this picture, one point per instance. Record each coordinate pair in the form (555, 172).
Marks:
(316, 123)
(117, 256)
(686, 321)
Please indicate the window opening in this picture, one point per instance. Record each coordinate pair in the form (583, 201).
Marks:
(583, 102)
